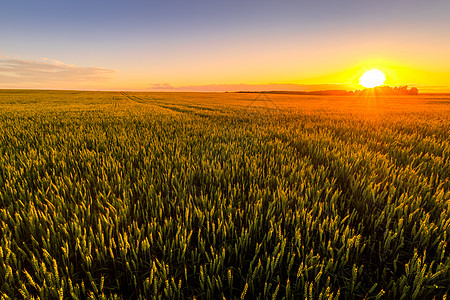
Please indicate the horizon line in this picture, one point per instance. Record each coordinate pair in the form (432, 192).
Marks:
(287, 92)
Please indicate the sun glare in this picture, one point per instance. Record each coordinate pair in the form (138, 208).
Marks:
(372, 78)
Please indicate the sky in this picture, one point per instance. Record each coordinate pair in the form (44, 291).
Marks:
(229, 45)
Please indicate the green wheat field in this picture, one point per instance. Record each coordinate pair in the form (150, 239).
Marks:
(111, 195)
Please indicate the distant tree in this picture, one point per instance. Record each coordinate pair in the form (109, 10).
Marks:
(388, 90)
(413, 91)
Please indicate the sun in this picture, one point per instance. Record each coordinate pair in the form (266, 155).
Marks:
(372, 78)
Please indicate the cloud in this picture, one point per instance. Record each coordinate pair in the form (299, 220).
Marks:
(17, 72)
(246, 87)
(161, 86)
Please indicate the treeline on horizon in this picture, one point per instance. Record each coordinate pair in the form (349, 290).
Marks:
(379, 91)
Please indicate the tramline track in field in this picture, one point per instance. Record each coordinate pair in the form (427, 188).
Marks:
(178, 107)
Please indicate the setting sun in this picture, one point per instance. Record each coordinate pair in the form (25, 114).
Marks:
(372, 78)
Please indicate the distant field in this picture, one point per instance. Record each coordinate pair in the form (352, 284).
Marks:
(223, 195)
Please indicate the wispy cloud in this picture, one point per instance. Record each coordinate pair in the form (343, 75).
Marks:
(21, 73)
(246, 87)
(161, 86)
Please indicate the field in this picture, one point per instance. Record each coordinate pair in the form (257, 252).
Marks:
(111, 195)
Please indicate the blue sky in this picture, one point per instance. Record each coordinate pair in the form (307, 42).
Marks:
(140, 44)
